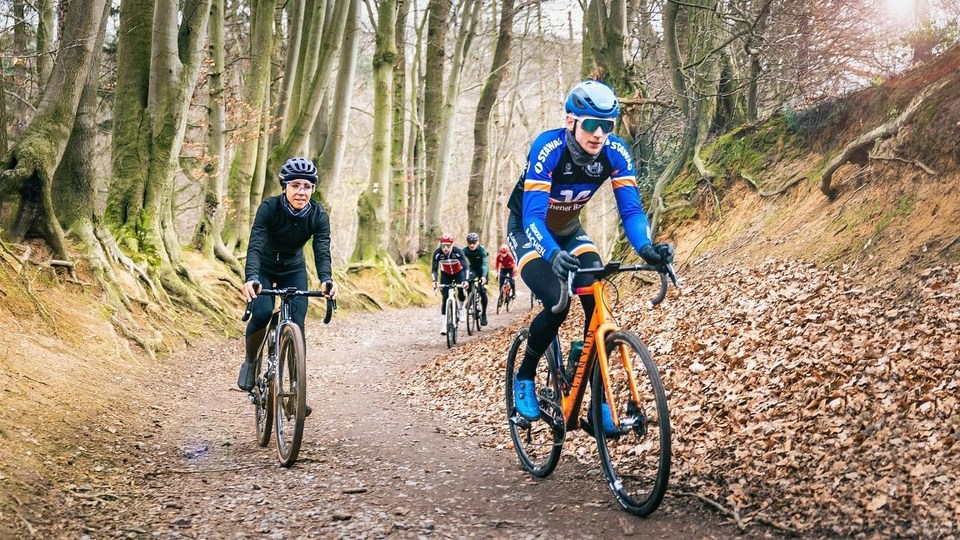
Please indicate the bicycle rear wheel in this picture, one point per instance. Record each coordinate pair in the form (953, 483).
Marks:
(538, 443)
(635, 457)
(290, 394)
(262, 392)
(472, 322)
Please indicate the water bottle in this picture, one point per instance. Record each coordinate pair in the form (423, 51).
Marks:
(573, 358)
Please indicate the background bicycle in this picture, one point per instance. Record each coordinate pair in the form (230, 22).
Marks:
(505, 295)
(452, 313)
(279, 392)
(473, 307)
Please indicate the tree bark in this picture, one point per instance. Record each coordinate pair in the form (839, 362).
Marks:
(209, 227)
(254, 96)
(291, 66)
(300, 130)
(45, 29)
(438, 11)
(372, 229)
(471, 13)
(26, 180)
(331, 159)
(481, 125)
(400, 188)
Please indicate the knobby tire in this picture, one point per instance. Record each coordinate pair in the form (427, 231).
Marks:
(290, 393)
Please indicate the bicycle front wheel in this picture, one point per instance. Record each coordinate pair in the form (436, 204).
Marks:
(263, 397)
(472, 321)
(636, 452)
(500, 300)
(538, 442)
(290, 393)
(451, 323)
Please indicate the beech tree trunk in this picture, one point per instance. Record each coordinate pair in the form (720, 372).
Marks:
(26, 180)
(438, 12)
(476, 203)
(471, 13)
(372, 229)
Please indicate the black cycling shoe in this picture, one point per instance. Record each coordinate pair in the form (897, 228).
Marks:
(248, 373)
(309, 410)
(483, 319)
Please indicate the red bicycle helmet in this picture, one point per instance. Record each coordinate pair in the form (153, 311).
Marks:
(504, 248)
(446, 238)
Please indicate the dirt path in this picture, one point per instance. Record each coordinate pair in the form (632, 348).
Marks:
(373, 464)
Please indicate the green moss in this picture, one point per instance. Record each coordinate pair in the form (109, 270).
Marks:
(898, 214)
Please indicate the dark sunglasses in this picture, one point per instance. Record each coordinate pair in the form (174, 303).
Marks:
(591, 124)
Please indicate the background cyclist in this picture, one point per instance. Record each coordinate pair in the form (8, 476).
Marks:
(452, 266)
(565, 167)
(281, 228)
(506, 268)
(477, 261)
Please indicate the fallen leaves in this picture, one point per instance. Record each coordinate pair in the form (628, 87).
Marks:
(798, 397)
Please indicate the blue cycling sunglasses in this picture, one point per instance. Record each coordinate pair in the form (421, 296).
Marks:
(591, 124)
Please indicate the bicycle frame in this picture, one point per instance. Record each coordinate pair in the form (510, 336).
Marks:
(594, 350)
(595, 346)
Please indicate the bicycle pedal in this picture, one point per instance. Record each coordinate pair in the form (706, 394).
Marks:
(518, 420)
(252, 398)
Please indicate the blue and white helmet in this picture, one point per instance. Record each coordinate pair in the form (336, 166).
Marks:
(298, 168)
(593, 98)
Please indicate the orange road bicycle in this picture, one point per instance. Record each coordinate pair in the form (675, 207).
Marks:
(279, 393)
(634, 440)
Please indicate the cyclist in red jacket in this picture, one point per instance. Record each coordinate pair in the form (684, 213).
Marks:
(506, 267)
(452, 266)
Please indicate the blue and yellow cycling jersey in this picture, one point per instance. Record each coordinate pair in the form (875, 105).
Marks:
(553, 190)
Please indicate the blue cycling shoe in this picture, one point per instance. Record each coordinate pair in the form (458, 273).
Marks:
(525, 399)
(608, 427)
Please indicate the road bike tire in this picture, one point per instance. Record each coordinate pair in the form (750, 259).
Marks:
(500, 299)
(538, 443)
(263, 397)
(636, 460)
(290, 393)
(451, 325)
(507, 302)
(472, 322)
(477, 312)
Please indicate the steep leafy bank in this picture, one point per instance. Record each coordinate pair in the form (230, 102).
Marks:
(799, 398)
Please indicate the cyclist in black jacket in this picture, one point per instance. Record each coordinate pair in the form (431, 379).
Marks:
(477, 259)
(282, 227)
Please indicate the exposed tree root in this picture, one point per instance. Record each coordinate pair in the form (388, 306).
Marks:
(792, 181)
(147, 345)
(916, 162)
(22, 272)
(868, 140)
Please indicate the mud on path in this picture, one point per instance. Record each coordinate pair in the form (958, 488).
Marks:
(374, 463)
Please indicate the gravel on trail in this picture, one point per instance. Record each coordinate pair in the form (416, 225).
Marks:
(375, 461)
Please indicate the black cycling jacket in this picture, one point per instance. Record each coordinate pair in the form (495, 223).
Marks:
(277, 240)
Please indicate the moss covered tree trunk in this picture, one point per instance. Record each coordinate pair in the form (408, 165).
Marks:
(305, 118)
(46, 23)
(26, 180)
(372, 224)
(400, 188)
(331, 159)
(471, 13)
(140, 208)
(291, 66)
(237, 229)
(481, 122)
(206, 237)
(438, 13)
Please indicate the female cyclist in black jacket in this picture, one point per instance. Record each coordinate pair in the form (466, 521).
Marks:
(282, 227)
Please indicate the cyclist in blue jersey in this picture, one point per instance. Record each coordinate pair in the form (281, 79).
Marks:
(565, 167)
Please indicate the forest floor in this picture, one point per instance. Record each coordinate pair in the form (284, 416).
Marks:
(175, 455)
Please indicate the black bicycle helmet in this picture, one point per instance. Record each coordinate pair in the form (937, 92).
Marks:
(298, 168)
(473, 237)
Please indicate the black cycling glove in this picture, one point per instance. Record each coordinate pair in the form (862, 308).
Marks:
(657, 254)
(563, 263)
